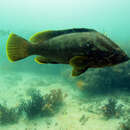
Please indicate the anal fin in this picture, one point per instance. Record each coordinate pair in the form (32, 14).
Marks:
(44, 60)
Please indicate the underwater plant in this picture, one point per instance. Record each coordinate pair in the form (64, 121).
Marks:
(8, 115)
(111, 109)
(41, 105)
(33, 107)
(52, 101)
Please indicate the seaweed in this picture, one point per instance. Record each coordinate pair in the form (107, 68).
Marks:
(39, 105)
(52, 101)
(33, 107)
(111, 109)
(8, 115)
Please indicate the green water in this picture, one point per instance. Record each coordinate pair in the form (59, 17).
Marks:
(27, 17)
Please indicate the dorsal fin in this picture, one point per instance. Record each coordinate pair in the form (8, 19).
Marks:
(45, 35)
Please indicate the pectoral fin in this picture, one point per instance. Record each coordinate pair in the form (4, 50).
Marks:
(79, 64)
(78, 61)
(77, 71)
(43, 60)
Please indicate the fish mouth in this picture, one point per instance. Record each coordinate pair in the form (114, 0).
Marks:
(126, 58)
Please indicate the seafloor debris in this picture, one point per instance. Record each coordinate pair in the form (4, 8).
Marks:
(83, 119)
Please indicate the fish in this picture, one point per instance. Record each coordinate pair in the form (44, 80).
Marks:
(81, 48)
(81, 84)
(4, 32)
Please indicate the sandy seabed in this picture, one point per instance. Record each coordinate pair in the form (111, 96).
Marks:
(77, 113)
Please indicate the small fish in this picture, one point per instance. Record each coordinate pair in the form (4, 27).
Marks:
(82, 48)
(80, 84)
(4, 32)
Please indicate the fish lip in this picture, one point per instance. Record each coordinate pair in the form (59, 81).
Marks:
(126, 58)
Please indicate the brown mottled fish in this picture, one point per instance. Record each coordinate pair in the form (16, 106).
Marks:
(80, 47)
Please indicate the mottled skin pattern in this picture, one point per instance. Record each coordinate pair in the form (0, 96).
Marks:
(99, 50)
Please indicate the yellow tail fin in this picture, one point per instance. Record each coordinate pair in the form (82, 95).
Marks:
(16, 48)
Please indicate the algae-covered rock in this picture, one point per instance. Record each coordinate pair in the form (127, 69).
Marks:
(104, 80)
